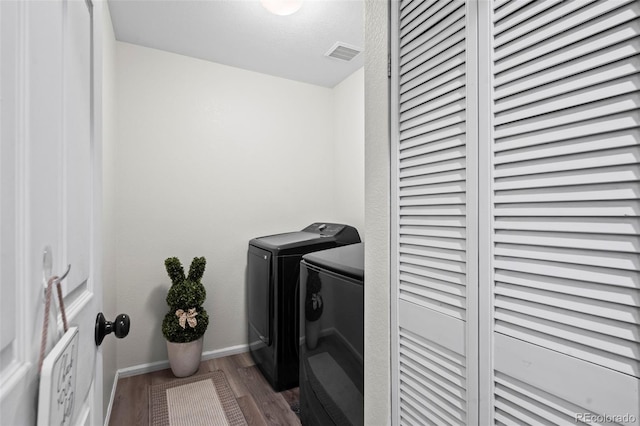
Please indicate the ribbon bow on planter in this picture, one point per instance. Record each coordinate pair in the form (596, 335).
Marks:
(187, 317)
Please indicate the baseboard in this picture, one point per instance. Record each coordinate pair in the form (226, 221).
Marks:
(161, 365)
(107, 416)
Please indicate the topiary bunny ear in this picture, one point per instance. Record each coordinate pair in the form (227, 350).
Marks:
(174, 269)
(196, 270)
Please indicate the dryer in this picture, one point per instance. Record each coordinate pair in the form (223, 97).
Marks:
(273, 271)
(332, 337)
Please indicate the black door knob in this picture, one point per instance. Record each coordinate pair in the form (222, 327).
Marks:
(119, 327)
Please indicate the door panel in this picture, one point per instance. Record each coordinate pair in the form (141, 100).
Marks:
(434, 227)
(50, 188)
(565, 286)
(76, 142)
(515, 153)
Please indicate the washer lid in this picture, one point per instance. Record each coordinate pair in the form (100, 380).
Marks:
(346, 260)
(289, 240)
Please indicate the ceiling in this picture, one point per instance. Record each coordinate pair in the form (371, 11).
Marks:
(243, 34)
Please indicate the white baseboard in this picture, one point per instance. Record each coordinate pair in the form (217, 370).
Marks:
(161, 365)
(107, 417)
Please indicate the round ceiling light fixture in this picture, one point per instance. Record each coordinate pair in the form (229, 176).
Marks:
(282, 7)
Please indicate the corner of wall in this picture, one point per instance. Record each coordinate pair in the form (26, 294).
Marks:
(377, 220)
(348, 150)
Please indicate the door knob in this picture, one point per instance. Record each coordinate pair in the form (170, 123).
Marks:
(119, 327)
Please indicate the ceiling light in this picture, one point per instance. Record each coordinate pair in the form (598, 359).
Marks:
(282, 7)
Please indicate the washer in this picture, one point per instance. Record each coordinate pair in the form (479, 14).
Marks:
(332, 331)
(273, 271)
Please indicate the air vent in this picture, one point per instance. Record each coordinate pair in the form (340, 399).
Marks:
(343, 51)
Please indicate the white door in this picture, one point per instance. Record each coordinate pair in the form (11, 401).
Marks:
(435, 291)
(516, 280)
(562, 286)
(50, 192)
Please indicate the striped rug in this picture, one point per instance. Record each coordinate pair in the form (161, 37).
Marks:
(202, 400)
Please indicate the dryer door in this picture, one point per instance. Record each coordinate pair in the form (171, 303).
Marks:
(259, 295)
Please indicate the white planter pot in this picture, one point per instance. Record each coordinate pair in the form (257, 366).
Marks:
(185, 358)
(312, 331)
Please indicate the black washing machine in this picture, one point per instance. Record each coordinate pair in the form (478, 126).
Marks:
(332, 337)
(273, 272)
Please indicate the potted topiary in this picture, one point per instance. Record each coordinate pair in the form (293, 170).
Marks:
(185, 323)
(313, 309)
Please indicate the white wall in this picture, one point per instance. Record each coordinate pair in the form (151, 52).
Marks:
(348, 120)
(208, 157)
(377, 169)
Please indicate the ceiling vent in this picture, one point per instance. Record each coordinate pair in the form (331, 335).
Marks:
(342, 51)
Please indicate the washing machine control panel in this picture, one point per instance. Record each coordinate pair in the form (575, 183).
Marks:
(325, 229)
(344, 233)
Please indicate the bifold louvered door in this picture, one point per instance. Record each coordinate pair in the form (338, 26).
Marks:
(565, 207)
(515, 159)
(435, 222)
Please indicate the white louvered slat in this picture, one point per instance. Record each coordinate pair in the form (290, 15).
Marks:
(439, 10)
(429, 45)
(622, 322)
(597, 160)
(614, 277)
(433, 379)
(566, 200)
(600, 176)
(545, 23)
(519, 399)
(588, 87)
(412, 9)
(408, 5)
(599, 126)
(586, 225)
(438, 102)
(425, 93)
(430, 39)
(433, 115)
(591, 241)
(567, 35)
(430, 127)
(613, 39)
(554, 118)
(530, 10)
(448, 57)
(583, 289)
(584, 63)
(509, 9)
(594, 143)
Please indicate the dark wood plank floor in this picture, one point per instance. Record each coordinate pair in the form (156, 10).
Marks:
(258, 401)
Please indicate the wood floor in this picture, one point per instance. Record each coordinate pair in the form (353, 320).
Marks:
(258, 401)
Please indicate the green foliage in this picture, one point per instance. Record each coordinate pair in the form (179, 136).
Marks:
(196, 270)
(173, 332)
(185, 293)
(313, 303)
(314, 284)
(174, 269)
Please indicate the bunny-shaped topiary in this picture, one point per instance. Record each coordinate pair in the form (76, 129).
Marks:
(186, 320)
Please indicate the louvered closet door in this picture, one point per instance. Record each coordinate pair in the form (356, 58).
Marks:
(435, 280)
(565, 206)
